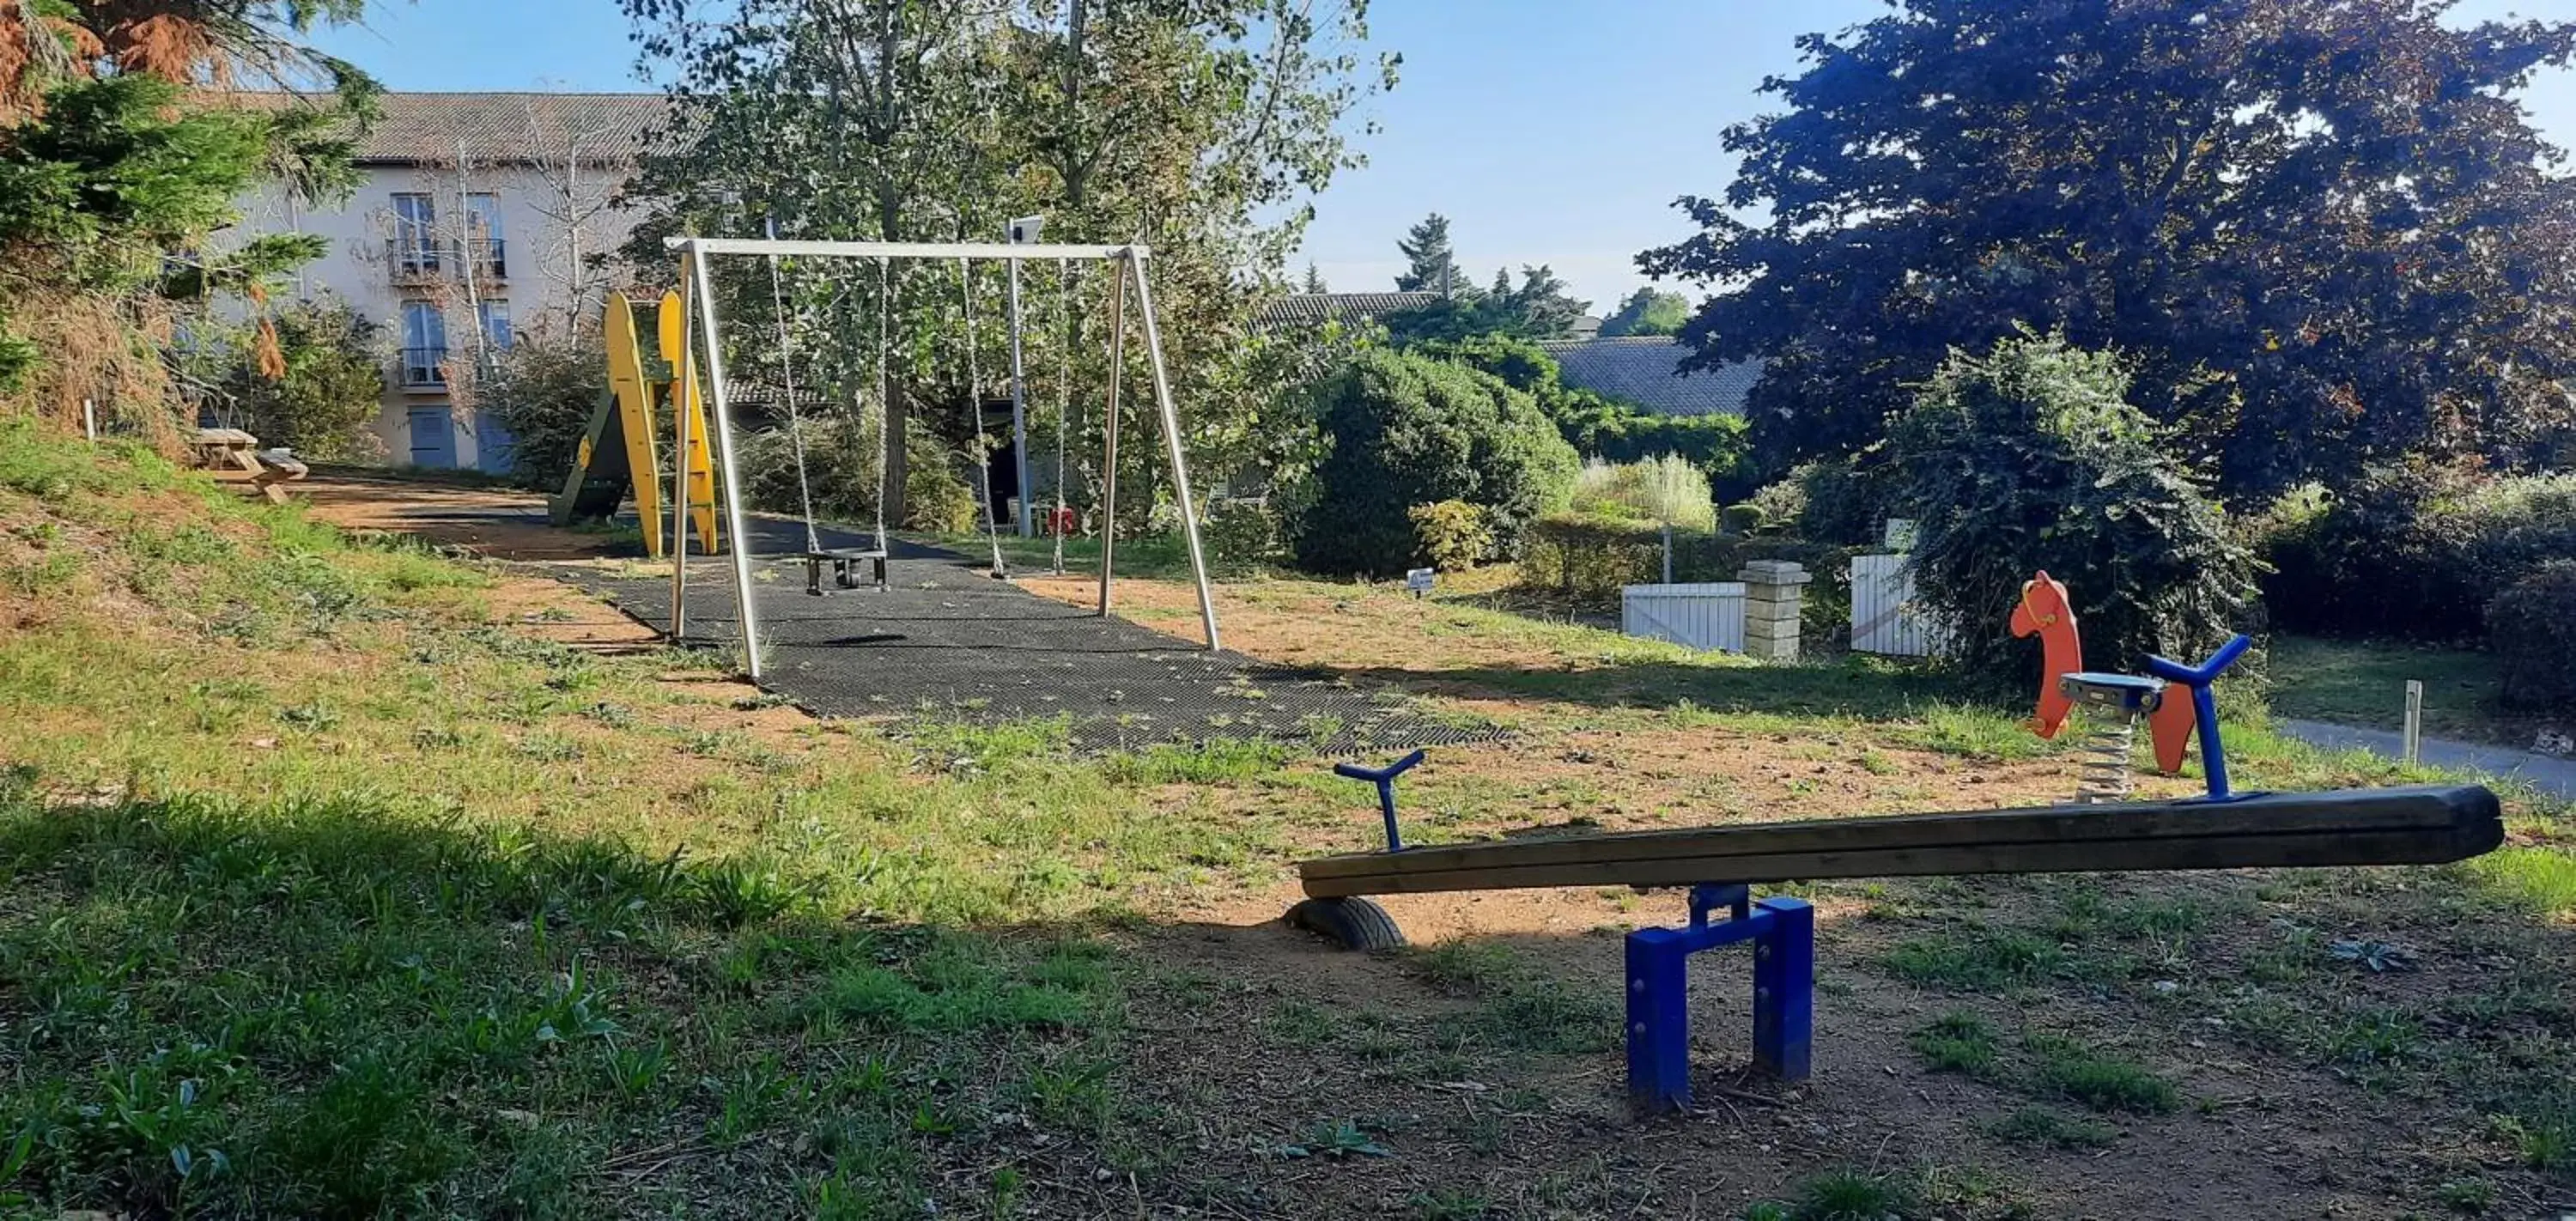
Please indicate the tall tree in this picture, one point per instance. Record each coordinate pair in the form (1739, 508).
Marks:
(1648, 312)
(1197, 126)
(2323, 231)
(122, 152)
(1314, 280)
(1432, 266)
(1541, 306)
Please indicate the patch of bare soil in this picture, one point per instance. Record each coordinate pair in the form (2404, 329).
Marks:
(491, 522)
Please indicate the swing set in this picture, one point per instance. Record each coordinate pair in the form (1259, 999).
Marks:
(702, 340)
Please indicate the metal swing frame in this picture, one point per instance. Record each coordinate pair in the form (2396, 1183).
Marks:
(698, 300)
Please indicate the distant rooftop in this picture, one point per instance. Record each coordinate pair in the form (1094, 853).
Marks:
(1645, 370)
(438, 128)
(1345, 308)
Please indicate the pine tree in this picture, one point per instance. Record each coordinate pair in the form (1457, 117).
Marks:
(1314, 279)
(1434, 265)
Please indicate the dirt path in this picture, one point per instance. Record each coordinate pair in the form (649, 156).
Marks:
(496, 523)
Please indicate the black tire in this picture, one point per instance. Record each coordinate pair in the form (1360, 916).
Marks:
(1357, 923)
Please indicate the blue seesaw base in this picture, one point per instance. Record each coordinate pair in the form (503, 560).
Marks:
(1783, 933)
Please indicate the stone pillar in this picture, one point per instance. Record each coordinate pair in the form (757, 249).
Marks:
(1772, 592)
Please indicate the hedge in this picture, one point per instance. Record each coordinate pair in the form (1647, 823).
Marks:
(2415, 554)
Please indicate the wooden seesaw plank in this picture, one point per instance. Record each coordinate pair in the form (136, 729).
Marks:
(2397, 826)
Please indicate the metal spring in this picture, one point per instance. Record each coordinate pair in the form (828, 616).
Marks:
(2107, 740)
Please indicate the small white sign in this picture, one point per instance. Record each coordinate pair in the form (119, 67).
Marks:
(1900, 534)
(1024, 231)
(1419, 580)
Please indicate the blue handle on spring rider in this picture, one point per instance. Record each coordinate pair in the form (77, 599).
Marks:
(1384, 778)
(2204, 707)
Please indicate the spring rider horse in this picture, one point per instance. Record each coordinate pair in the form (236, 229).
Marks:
(2045, 611)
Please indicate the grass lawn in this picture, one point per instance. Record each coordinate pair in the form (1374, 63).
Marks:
(341, 878)
(2364, 683)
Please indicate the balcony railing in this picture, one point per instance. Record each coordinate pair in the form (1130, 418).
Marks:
(412, 259)
(424, 368)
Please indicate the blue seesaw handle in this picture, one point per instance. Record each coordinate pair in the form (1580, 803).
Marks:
(2204, 706)
(1384, 779)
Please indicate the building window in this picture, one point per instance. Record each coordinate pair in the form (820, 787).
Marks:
(483, 237)
(415, 245)
(495, 314)
(424, 352)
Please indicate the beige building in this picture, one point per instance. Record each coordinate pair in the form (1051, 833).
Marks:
(482, 218)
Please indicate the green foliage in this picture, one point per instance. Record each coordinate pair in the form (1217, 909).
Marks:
(116, 172)
(2102, 1082)
(1452, 534)
(2414, 552)
(2531, 626)
(1538, 308)
(1648, 312)
(1956, 1042)
(1841, 502)
(18, 358)
(333, 387)
(1588, 557)
(1952, 166)
(1198, 128)
(1242, 537)
(543, 392)
(1598, 427)
(1667, 490)
(1406, 430)
(842, 463)
(1431, 266)
(1746, 518)
(2030, 458)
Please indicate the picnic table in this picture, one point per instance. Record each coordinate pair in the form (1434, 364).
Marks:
(234, 456)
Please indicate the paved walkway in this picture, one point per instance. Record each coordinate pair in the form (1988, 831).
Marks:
(2548, 773)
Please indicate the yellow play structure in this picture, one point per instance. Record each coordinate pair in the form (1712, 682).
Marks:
(618, 453)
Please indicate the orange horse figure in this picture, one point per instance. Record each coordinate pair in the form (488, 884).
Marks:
(2044, 610)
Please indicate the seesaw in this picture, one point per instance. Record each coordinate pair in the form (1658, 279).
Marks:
(2423, 825)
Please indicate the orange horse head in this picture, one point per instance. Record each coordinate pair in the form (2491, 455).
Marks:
(2043, 610)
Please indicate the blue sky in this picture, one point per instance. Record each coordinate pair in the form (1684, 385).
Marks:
(1548, 131)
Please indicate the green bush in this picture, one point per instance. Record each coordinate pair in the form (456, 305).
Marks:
(542, 393)
(1841, 502)
(2531, 626)
(2029, 458)
(1452, 534)
(2412, 552)
(1745, 518)
(1242, 537)
(1667, 490)
(841, 470)
(1405, 430)
(332, 387)
(1599, 427)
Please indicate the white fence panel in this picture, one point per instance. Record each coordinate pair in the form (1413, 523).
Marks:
(1884, 618)
(1709, 615)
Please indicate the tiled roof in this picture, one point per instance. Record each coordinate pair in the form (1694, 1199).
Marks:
(1341, 307)
(1645, 370)
(416, 128)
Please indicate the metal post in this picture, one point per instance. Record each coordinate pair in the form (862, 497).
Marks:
(1172, 447)
(683, 376)
(89, 418)
(1784, 989)
(1109, 430)
(722, 428)
(1658, 1021)
(1019, 408)
(2414, 752)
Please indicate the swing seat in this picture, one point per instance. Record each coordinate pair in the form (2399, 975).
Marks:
(844, 561)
